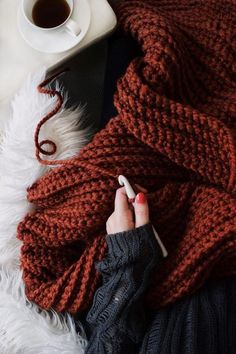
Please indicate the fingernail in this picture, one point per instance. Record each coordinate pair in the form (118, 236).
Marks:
(141, 198)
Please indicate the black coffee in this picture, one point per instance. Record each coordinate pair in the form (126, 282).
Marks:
(50, 13)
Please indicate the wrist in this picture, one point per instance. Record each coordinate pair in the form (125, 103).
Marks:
(131, 243)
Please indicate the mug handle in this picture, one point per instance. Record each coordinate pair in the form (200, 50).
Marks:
(72, 27)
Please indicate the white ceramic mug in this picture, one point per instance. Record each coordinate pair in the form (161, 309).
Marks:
(69, 25)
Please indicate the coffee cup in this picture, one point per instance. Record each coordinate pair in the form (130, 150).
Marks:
(51, 15)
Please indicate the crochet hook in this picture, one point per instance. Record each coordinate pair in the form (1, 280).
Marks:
(123, 181)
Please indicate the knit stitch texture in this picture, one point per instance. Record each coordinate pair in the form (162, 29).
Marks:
(173, 135)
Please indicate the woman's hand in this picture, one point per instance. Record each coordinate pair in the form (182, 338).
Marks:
(125, 216)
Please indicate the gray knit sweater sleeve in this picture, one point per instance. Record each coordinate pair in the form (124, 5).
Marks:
(117, 320)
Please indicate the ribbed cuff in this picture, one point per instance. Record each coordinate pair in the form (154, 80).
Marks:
(130, 243)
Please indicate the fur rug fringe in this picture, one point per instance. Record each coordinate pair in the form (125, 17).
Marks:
(24, 328)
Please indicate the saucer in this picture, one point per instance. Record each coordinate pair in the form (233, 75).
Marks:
(57, 40)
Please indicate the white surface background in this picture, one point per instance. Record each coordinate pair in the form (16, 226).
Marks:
(17, 59)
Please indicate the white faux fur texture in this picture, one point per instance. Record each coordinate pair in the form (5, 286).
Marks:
(24, 329)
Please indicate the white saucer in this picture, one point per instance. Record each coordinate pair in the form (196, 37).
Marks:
(58, 40)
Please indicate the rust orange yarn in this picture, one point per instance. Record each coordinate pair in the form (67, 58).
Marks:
(173, 135)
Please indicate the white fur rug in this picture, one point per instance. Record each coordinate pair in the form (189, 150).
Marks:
(24, 328)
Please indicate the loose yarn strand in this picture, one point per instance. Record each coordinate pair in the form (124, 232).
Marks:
(39, 145)
(51, 92)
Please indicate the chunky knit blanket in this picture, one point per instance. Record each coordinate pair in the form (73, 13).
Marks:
(173, 135)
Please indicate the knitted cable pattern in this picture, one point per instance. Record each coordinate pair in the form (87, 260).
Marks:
(173, 135)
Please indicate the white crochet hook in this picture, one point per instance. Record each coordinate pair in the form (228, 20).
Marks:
(131, 195)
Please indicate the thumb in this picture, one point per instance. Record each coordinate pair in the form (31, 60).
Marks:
(141, 210)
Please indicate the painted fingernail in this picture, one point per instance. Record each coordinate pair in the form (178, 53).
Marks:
(141, 198)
